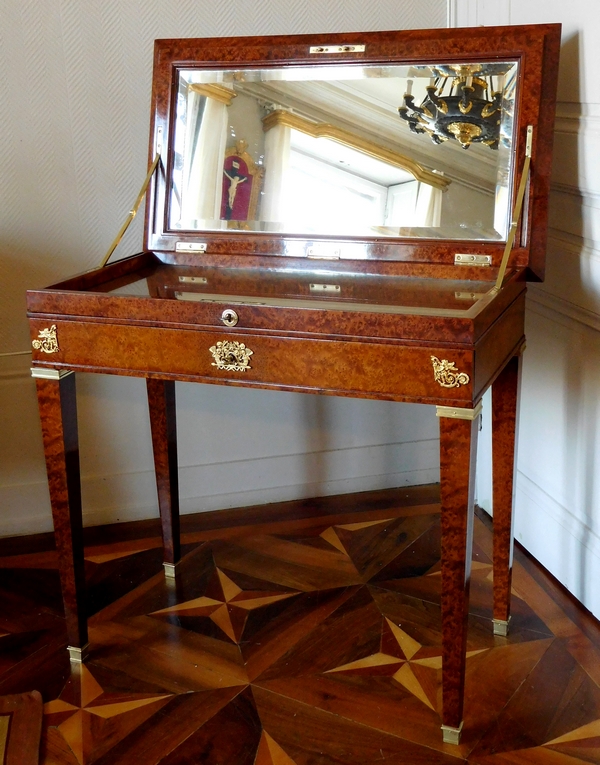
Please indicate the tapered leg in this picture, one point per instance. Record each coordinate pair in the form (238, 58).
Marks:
(161, 403)
(56, 399)
(458, 447)
(505, 396)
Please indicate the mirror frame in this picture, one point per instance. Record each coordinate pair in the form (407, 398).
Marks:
(534, 47)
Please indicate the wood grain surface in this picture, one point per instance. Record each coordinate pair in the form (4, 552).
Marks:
(505, 399)
(163, 423)
(58, 414)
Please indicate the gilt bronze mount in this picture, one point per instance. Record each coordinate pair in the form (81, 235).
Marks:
(231, 356)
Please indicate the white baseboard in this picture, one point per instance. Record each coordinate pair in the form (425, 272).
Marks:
(132, 496)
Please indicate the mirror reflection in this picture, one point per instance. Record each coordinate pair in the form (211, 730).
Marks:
(394, 151)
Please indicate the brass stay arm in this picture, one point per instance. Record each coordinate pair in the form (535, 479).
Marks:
(516, 211)
(132, 212)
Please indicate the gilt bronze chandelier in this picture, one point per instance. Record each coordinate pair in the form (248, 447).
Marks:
(461, 104)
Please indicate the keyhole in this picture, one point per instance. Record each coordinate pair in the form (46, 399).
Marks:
(229, 317)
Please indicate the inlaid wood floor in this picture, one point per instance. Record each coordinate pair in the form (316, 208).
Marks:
(304, 633)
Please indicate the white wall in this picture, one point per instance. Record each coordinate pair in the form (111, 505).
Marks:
(558, 480)
(75, 81)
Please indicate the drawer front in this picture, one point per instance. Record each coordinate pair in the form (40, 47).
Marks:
(353, 368)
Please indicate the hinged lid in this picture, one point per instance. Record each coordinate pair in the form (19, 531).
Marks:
(380, 146)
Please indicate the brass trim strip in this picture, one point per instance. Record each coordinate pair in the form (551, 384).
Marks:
(346, 138)
(43, 373)
(132, 212)
(333, 305)
(458, 413)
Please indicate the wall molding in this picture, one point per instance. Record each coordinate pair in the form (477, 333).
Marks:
(587, 197)
(577, 566)
(554, 307)
(15, 367)
(573, 245)
(575, 116)
(560, 513)
(132, 496)
(478, 13)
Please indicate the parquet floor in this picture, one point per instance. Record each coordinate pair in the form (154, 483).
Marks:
(292, 639)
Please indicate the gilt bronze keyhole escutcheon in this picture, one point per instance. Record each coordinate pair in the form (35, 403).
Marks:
(231, 356)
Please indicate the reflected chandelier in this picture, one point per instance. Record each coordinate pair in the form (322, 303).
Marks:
(460, 104)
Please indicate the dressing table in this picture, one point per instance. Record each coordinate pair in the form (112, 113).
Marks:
(352, 215)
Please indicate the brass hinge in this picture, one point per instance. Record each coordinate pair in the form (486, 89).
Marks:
(468, 295)
(323, 252)
(337, 49)
(190, 247)
(193, 280)
(328, 288)
(472, 260)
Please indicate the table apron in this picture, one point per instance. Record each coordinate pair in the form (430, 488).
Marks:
(356, 368)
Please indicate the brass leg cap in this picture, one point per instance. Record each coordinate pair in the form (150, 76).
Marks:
(501, 626)
(78, 655)
(451, 735)
(171, 570)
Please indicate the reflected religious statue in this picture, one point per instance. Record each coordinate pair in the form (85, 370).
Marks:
(234, 181)
(238, 202)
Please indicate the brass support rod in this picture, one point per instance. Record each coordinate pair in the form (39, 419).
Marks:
(132, 212)
(516, 212)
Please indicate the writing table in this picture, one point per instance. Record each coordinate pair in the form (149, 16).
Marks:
(411, 314)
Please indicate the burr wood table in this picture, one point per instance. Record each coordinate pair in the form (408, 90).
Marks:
(420, 320)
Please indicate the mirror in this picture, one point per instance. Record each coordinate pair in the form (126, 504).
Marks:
(374, 151)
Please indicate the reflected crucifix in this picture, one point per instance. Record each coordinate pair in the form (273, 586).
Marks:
(234, 181)
(241, 186)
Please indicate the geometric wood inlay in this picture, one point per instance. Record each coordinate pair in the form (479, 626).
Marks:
(314, 640)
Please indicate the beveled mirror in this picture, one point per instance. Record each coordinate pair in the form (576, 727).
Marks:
(386, 151)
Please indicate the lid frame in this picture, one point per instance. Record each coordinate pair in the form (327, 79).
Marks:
(534, 47)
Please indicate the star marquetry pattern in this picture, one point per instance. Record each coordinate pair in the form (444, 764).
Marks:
(269, 752)
(100, 719)
(331, 535)
(412, 665)
(227, 605)
(313, 640)
(583, 742)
